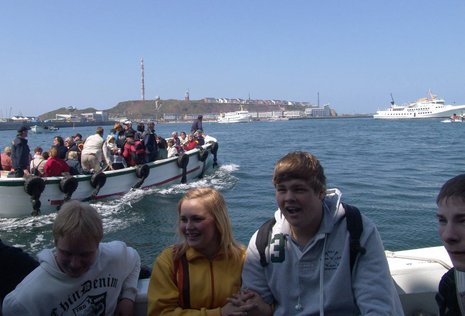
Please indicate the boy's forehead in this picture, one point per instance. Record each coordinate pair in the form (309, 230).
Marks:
(293, 182)
(452, 205)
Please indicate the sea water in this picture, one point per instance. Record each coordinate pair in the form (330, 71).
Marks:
(391, 170)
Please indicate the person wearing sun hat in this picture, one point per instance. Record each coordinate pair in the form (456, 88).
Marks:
(20, 155)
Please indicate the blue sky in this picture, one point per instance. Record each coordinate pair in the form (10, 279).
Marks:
(353, 53)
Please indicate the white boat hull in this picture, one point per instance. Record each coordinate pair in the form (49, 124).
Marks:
(429, 107)
(416, 274)
(235, 117)
(444, 112)
(37, 129)
(453, 121)
(17, 203)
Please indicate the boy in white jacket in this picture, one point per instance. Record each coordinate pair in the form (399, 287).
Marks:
(308, 253)
(81, 275)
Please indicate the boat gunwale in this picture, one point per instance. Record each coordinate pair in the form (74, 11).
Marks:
(16, 182)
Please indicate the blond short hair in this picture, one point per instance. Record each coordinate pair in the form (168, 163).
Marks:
(78, 219)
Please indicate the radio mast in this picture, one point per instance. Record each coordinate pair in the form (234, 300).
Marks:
(142, 79)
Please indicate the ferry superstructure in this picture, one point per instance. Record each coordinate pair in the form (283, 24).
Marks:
(242, 116)
(429, 107)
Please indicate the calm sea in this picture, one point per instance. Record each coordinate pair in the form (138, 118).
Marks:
(391, 170)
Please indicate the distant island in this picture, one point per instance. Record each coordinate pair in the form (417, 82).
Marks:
(174, 111)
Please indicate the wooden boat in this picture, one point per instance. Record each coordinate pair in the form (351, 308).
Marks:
(32, 195)
(416, 274)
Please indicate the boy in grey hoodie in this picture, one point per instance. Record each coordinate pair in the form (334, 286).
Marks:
(308, 254)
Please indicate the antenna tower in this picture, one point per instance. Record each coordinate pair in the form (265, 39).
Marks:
(142, 79)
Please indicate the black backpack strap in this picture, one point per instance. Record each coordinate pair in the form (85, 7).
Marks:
(263, 238)
(355, 228)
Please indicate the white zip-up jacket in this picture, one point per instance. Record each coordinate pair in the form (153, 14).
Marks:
(316, 279)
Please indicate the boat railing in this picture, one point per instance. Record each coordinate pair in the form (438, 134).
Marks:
(394, 255)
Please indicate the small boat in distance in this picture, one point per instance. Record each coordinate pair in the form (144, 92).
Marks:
(37, 129)
(454, 119)
(242, 116)
(429, 107)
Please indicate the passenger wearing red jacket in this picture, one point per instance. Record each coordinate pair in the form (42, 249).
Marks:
(129, 150)
(55, 166)
(191, 143)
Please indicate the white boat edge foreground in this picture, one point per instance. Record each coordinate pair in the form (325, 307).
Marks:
(415, 272)
(429, 107)
(32, 195)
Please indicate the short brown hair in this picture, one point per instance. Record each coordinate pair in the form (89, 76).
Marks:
(454, 187)
(300, 165)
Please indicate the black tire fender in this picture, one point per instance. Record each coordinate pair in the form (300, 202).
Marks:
(68, 184)
(203, 155)
(34, 185)
(142, 171)
(183, 161)
(214, 148)
(98, 180)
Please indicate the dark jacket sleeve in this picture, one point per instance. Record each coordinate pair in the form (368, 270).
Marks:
(14, 266)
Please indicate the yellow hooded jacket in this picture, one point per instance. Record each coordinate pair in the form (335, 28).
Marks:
(211, 282)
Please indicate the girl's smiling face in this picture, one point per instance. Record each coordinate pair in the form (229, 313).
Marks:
(198, 227)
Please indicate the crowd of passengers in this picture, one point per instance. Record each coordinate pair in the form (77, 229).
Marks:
(124, 146)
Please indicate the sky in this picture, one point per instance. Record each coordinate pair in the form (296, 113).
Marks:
(351, 53)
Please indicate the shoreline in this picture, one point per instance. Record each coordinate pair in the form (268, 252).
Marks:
(15, 125)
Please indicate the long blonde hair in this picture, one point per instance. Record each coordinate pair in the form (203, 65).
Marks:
(214, 203)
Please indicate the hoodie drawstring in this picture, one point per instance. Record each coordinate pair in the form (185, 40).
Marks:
(322, 272)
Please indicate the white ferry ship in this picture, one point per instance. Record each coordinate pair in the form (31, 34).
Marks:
(242, 116)
(429, 107)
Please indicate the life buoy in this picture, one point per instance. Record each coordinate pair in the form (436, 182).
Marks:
(203, 155)
(142, 172)
(68, 185)
(214, 150)
(34, 186)
(98, 180)
(183, 161)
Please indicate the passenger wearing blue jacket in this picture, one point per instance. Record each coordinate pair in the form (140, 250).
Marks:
(20, 152)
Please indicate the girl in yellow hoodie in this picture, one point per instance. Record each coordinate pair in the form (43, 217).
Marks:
(199, 275)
